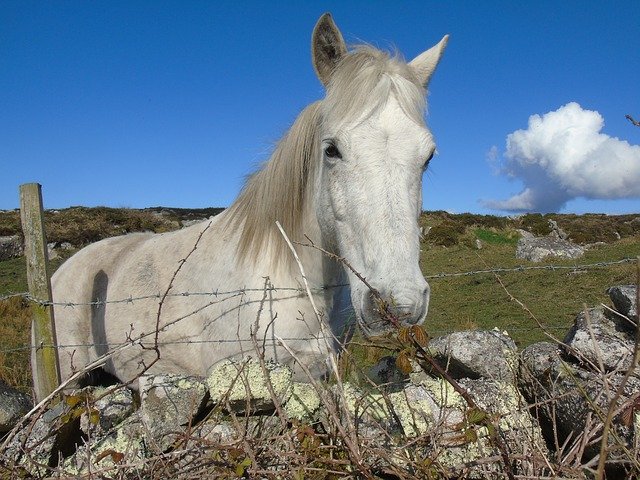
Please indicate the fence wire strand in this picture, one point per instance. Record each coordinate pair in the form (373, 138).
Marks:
(233, 293)
(318, 289)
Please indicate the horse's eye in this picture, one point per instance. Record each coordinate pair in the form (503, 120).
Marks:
(332, 151)
(426, 163)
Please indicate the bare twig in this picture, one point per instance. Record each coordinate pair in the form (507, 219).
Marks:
(630, 118)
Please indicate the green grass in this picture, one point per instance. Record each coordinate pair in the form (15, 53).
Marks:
(554, 297)
(496, 238)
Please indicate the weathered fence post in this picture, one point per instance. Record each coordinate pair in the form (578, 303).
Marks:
(43, 330)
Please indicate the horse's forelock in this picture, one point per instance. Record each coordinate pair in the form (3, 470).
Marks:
(364, 80)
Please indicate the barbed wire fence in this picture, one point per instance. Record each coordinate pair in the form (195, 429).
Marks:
(227, 294)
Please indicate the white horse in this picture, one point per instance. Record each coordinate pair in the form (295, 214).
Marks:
(348, 175)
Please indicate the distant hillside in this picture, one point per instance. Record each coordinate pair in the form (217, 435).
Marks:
(80, 226)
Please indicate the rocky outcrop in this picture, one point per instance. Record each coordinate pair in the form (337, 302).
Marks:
(13, 405)
(556, 244)
(536, 249)
(11, 247)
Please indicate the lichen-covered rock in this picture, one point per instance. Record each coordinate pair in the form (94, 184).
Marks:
(107, 408)
(126, 444)
(38, 443)
(303, 402)
(242, 385)
(368, 410)
(509, 411)
(474, 354)
(13, 405)
(595, 338)
(432, 405)
(624, 298)
(168, 403)
(230, 429)
(536, 249)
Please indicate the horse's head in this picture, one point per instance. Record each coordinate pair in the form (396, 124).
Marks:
(375, 148)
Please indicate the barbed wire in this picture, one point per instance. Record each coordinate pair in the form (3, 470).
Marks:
(300, 290)
(522, 268)
(318, 289)
(433, 333)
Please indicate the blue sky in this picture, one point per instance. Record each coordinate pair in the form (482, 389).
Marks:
(138, 104)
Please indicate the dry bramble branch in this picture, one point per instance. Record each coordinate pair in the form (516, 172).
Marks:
(418, 339)
(630, 118)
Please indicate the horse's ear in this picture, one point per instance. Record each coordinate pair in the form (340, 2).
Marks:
(425, 63)
(327, 47)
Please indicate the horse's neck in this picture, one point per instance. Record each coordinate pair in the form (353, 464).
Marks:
(319, 269)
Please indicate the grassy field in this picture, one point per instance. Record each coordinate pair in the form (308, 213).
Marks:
(553, 296)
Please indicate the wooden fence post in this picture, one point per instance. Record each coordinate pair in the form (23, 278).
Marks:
(43, 330)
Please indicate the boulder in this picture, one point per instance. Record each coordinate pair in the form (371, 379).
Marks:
(107, 409)
(536, 249)
(571, 400)
(597, 339)
(168, 405)
(474, 354)
(123, 448)
(13, 405)
(11, 247)
(624, 298)
(50, 434)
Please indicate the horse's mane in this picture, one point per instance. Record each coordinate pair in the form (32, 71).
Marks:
(361, 84)
(278, 190)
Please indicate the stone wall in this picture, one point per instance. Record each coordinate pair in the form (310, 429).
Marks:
(530, 408)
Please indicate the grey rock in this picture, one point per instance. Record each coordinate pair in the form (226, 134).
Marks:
(566, 396)
(525, 233)
(13, 405)
(107, 409)
(475, 354)
(556, 231)
(536, 249)
(594, 338)
(624, 298)
(37, 445)
(51, 252)
(11, 247)
(520, 430)
(228, 430)
(169, 403)
(106, 453)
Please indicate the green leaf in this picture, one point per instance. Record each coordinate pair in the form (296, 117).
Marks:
(73, 400)
(94, 417)
(471, 435)
(476, 416)
(242, 466)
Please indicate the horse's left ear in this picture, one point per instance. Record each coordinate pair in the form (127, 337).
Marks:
(327, 47)
(425, 63)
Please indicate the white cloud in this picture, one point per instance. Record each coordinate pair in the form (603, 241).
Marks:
(562, 155)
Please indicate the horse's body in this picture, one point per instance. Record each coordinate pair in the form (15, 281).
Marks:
(347, 175)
